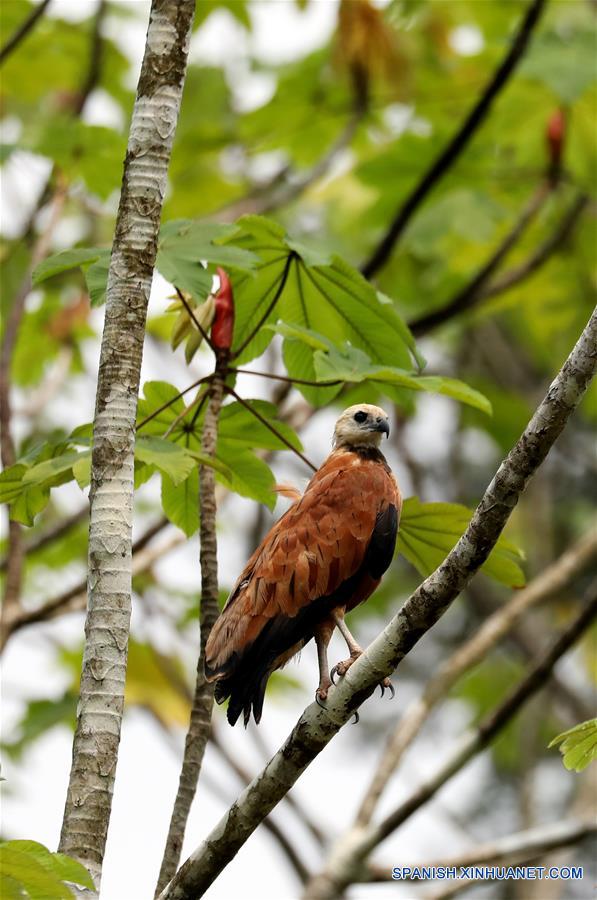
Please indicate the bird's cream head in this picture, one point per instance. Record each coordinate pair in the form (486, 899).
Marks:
(361, 426)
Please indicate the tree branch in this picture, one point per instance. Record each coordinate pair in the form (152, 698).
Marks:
(349, 857)
(553, 580)
(470, 293)
(75, 598)
(317, 726)
(23, 30)
(202, 706)
(101, 704)
(458, 143)
(287, 186)
(541, 255)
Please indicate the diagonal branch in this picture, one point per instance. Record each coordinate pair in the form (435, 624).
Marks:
(541, 255)
(452, 151)
(317, 726)
(269, 425)
(553, 580)
(74, 599)
(23, 30)
(349, 857)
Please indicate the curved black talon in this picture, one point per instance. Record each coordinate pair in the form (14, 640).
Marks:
(357, 718)
(318, 700)
(333, 673)
(391, 690)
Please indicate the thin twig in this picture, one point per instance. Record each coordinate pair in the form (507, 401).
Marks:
(202, 705)
(52, 534)
(23, 30)
(469, 294)
(236, 353)
(198, 402)
(269, 425)
(541, 255)
(348, 860)
(450, 154)
(553, 580)
(191, 313)
(286, 186)
(74, 598)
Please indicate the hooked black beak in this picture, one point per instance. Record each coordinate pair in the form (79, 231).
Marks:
(383, 426)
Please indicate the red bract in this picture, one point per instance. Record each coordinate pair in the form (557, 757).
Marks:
(223, 324)
(555, 135)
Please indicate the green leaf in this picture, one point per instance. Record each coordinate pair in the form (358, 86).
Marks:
(82, 470)
(167, 456)
(11, 482)
(180, 502)
(428, 531)
(185, 244)
(578, 745)
(28, 504)
(249, 475)
(352, 365)
(96, 278)
(38, 873)
(57, 465)
(315, 291)
(564, 62)
(65, 260)
(39, 717)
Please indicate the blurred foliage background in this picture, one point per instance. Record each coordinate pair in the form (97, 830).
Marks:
(327, 136)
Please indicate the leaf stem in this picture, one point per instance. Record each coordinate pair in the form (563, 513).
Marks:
(191, 312)
(269, 425)
(156, 412)
(285, 378)
(292, 255)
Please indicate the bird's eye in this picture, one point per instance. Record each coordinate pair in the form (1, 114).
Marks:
(360, 417)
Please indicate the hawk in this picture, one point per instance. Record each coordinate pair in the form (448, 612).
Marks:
(323, 557)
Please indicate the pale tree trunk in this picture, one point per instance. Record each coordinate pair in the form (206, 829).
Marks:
(95, 747)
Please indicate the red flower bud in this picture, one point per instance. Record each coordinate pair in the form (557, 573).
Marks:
(223, 323)
(555, 134)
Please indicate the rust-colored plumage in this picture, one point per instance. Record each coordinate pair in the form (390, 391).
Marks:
(321, 559)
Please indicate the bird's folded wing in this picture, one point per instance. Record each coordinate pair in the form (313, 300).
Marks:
(318, 544)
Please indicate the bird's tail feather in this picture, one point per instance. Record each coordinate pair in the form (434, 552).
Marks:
(246, 692)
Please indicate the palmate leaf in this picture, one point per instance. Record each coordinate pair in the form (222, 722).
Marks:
(312, 290)
(428, 531)
(350, 365)
(237, 466)
(30, 870)
(26, 485)
(578, 745)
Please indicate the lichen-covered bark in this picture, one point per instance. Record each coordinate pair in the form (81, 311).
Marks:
(101, 703)
(201, 710)
(317, 726)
